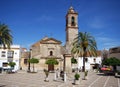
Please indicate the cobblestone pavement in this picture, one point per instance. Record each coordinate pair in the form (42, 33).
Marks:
(23, 79)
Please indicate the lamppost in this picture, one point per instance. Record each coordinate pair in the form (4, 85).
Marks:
(64, 68)
(30, 55)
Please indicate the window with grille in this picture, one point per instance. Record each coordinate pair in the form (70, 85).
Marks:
(3, 54)
(5, 64)
(10, 54)
(25, 61)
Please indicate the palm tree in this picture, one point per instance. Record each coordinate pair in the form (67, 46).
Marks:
(84, 44)
(5, 36)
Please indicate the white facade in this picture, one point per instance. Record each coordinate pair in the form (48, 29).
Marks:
(10, 55)
(90, 61)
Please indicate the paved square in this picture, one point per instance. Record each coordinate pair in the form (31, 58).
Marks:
(24, 79)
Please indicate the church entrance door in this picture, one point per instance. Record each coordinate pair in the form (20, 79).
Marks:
(51, 67)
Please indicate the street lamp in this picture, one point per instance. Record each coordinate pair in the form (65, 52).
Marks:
(30, 55)
(64, 68)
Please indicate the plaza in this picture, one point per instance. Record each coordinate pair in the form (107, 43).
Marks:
(60, 57)
(24, 79)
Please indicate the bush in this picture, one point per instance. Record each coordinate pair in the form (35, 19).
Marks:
(73, 60)
(12, 64)
(77, 76)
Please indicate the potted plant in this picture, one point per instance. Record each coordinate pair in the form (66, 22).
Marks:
(77, 76)
(46, 73)
(85, 74)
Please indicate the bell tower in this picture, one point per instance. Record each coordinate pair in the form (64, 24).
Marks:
(71, 28)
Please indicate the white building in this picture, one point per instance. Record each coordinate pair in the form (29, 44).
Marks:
(90, 62)
(10, 55)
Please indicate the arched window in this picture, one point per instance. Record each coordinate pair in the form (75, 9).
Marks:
(73, 21)
(51, 53)
(94, 59)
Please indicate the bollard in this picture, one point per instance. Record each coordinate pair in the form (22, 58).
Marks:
(64, 76)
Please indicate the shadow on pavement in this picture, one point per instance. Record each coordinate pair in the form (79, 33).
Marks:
(2, 85)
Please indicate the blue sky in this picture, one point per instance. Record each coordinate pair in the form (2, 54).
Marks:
(31, 20)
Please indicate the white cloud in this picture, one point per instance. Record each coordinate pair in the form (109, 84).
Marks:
(105, 42)
(96, 23)
(104, 39)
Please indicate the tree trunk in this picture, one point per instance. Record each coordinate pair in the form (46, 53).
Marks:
(84, 55)
(83, 64)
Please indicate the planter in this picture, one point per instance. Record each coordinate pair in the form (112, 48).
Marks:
(46, 79)
(46, 73)
(85, 75)
(76, 82)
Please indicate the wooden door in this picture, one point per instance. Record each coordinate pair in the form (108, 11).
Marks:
(51, 67)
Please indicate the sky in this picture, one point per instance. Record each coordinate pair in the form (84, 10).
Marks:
(32, 20)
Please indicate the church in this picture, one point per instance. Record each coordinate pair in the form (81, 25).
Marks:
(49, 47)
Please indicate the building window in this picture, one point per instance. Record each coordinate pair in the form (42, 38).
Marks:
(25, 61)
(94, 59)
(10, 54)
(3, 54)
(5, 64)
(73, 21)
(86, 59)
(51, 53)
(15, 52)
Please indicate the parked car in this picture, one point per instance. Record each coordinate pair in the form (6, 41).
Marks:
(107, 70)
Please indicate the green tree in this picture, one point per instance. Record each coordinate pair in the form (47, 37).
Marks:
(33, 61)
(111, 61)
(12, 64)
(5, 36)
(84, 44)
(51, 61)
(73, 60)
